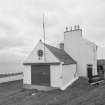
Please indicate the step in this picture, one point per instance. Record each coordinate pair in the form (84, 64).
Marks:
(38, 87)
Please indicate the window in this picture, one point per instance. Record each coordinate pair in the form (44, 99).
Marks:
(40, 54)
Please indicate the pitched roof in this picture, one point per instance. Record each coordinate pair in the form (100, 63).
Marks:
(61, 55)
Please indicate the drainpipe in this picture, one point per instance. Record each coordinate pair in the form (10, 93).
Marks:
(76, 72)
(61, 75)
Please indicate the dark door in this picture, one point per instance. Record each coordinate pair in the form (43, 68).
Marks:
(40, 75)
(89, 73)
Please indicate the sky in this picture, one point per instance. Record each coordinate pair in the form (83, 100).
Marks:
(21, 26)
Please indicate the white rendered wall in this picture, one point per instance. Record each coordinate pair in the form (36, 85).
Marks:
(83, 51)
(68, 73)
(11, 78)
(34, 58)
(27, 74)
(56, 73)
(88, 55)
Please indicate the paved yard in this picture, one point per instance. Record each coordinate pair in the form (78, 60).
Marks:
(80, 93)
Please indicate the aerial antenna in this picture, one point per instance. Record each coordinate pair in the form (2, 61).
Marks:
(44, 37)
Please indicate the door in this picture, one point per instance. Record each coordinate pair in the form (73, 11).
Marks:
(89, 72)
(40, 75)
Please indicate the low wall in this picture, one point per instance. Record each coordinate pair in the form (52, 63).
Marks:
(11, 78)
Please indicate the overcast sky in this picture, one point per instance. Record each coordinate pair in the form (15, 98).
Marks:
(21, 26)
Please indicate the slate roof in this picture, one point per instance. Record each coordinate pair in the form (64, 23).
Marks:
(61, 55)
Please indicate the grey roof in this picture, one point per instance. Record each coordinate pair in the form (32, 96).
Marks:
(61, 55)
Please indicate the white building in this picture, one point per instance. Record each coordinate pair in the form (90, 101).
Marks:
(81, 50)
(59, 67)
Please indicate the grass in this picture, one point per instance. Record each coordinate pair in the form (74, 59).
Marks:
(80, 93)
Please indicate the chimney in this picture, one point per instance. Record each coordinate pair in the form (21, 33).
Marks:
(66, 29)
(61, 46)
(74, 30)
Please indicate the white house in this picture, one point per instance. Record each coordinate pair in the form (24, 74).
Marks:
(81, 50)
(59, 67)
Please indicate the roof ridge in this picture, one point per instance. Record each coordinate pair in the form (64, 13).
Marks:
(61, 54)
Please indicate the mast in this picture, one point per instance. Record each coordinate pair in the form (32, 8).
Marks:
(44, 38)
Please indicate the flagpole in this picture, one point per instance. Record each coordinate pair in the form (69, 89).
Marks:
(44, 38)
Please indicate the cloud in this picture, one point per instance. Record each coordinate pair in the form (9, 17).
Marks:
(8, 43)
(11, 60)
(21, 25)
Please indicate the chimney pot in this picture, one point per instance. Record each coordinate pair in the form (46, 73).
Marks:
(78, 27)
(61, 45)
(71, 28)
(66, 28)
(75, 27)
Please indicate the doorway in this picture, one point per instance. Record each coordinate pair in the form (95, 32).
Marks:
(89, 72)
(40, 75)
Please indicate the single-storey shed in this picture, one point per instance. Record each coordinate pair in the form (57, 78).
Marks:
(49, 66)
